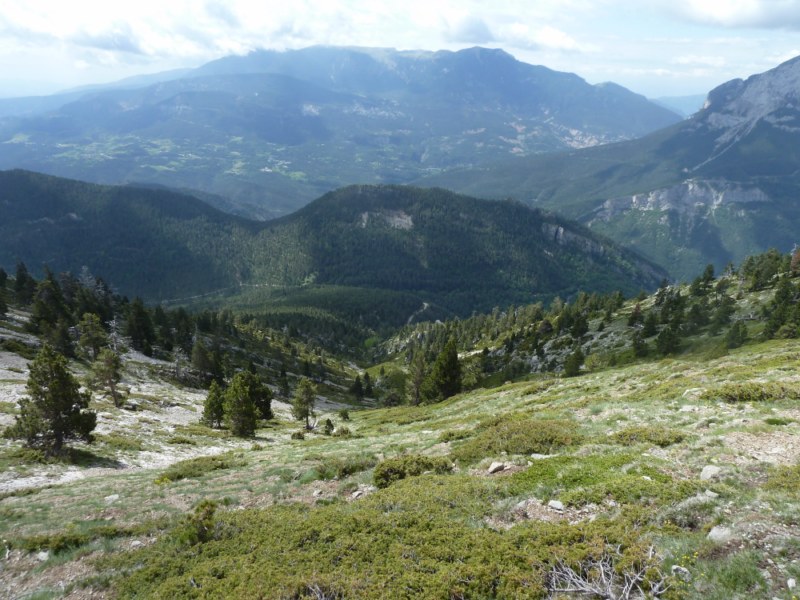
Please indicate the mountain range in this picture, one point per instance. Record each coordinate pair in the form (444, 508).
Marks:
(711, 189)
(380, 244)
(264, 134)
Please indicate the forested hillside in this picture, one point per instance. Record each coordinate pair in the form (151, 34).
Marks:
(362, 245)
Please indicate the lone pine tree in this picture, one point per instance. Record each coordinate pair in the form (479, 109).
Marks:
(55, 410)
(303, 401)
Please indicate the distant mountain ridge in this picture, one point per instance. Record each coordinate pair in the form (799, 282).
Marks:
(271, 131)
(714, 188)
(458, 253)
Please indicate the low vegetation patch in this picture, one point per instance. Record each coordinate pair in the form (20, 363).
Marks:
(340, 467)
(181, 440)
(418, 537)
(784, 479)
(581, 480)
(72, 538)
(646, 434)
(752, 391)
(519, 436)
(453, 435)
(197, 467)
(116, 441)
(400, 467)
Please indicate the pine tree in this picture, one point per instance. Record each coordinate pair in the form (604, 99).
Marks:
(214, 406)
(668, 341)
(49, 306)
(444, 379)
(639, 345)
(572, 365)
(737, 335)
(650, 327)
(24, 285)
(92, 335)
(139, 327)
(55, 410)
(303, 402)
(636, 316)
(416, 378)
(107, 373)
(3, 304)
(239, 407)
(369, 391)
(357, 389)
(283, 383)
(262, 397)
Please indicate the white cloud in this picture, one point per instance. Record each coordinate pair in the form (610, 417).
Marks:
(770, 14)
(694, 60)
(470, 30)
(547, 37)
(599, 39)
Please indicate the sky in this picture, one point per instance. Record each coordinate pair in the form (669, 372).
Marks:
(654, 47)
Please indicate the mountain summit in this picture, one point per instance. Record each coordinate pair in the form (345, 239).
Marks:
(712, 189)
(271, 131)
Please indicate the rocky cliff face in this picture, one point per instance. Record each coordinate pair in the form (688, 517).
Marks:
(692, 197)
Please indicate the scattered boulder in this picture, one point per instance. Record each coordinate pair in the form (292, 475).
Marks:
(111, 499)
(556, 505)
(681, 573)
(42, 556)
(720, 534)
(710, 472)
(496, 467)
(791, 583)
(357, 494)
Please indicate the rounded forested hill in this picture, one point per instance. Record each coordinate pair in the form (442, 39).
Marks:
(460, 253)
(465, 253)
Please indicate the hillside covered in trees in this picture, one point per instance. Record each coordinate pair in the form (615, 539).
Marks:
(367, 245)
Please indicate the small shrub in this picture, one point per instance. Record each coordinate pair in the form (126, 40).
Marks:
(198, 527)
(66, 540)
(195, 467)
(181, 439)
(646, 434)
(327, 428)
(581, 480)
(540, 436)
(342, 432)
(784, 479)
(344, 414)
(752, 391)
(17, 347)
(344, 467)
(693, 513)
(410, 465)
(120, 442)
(454, 435)
(777, 421)
(298, 435)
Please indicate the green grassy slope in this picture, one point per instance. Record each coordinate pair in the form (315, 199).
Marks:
(680, 473)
